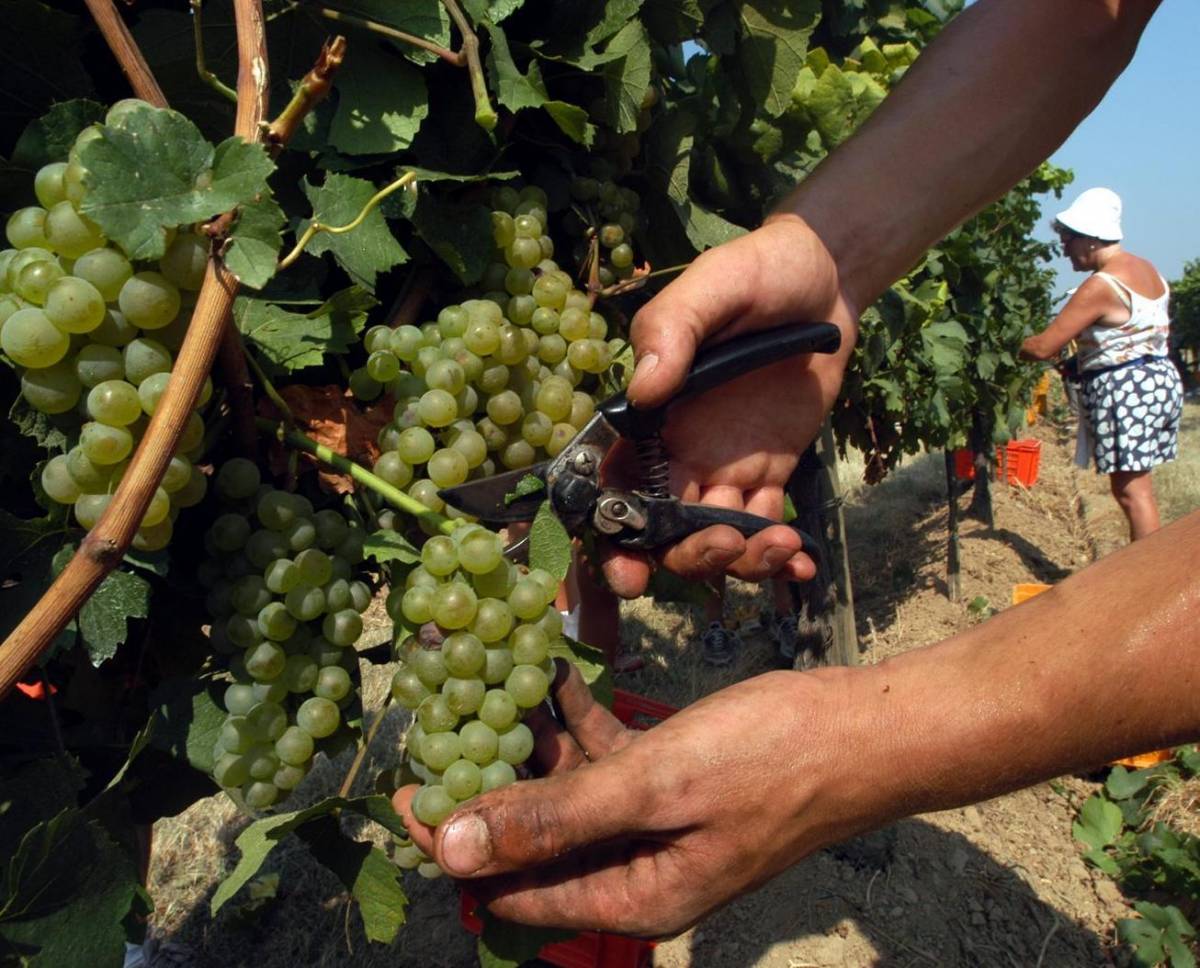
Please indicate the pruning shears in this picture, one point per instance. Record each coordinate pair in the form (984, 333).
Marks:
(645, 516)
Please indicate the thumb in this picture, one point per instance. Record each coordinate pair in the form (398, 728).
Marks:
(530, 823)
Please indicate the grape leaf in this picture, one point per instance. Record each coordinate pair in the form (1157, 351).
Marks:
(549, 543)
(669, 165)
(673, 21)
(258, 840)
(102, 620)
(423, 18)
(591, 664)
(460, 233)
(187, 719)
(529, 484)
(572, 120)
(374, 118)
(33, 791)
(364, 251)
(27, 550)
(292, 341)
(492, 10)
(505, 944)
(50, 137)
(371, 878)
(626, 76)
(254, 242)
(772, 48)
(384, 546)
(48, 430)
(154, 171)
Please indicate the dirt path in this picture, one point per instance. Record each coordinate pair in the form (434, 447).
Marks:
(998, 884)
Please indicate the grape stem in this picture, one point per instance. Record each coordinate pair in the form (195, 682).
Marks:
(457, 58)
(389, 492)
(314, 226)
(269, 389)
(311, 91)
(105, 545)
(360, 754)
(637, 281)
(207, 76)
(485, 114)
(126, 51)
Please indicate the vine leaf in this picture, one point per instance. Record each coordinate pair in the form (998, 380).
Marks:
(187, 720)
(360, 866)
(626, 76)
(591, 664)
(384, 546)
(424, 18)
(153, 171)
(492, 10)
(28, 547)
(254, 243)
(460, 233)
(504, 944)
(292, 341)
(365, 251)
(50, 137)
(529, 484)
(374, 118)
(549, 543)
(773, 46)
(103, 619)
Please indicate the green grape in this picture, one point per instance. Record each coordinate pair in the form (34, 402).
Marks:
(281, 576)
(57, 481)
(527, 599)
(622, 255)
(552, 349)
(104, 444)
(96, 363)
(435, 715)
(275, 510)
(545, 321)
(582, 409)
(514, 745)
(177, 474)
(429, 666)
(48, 184)
(305, 602)
(504, 408)
(229, 532)
(560, 436)
(480, 553)
(69, 233)
(150, 391)
(185, 261)
(263, 761)
(394, 469)
(471, 445)
(528, 685)
(447, 467)
(89, 507)
(288, 777)
(337, 595)
(318, 717)
(417, 605)
(437, 408)
(144, 357)
(408, 857)
(573, 324)
(314, 565)
(463, 654)
(260, 795)
(231, 771)
(239, 699)
(238, 479)
(611, 235)
(342, 628)
(426, 492)
(547, 581)
(482, 337)
(115, 403)
(18, 260)
(416, 445)
(333, 683)
(331, 528)
(192, 493)
(549, 292)
(90, 476)
(497, 665)
(496, 775)
(36, 279)
(30, 339)
(536, 429)
(530, 645)
(276, 622)
(439, 750)
(264, 660)
(275, 692)
(299, 534)
(454, 605)
(493, 620)
(106, 269)
(432, 805)
(300, 673)
(360, 596)
(364, 386)
(405, 342)
(267, 720)
(382, 366)
(26, 228)
(463, 695)
(55, 389)
(554, 398)
(446, 375)
(114, 330)
(250, 595)
(584, 354)
(148, 300)
(439, 555)
(264, 547)
(479, 742)
(157, 510)
(518, 454)
(496, 583)
(462, 780)
(498, 710)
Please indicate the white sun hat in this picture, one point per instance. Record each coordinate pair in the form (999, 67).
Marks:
(1095, 213)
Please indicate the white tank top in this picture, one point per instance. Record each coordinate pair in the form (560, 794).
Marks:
(1144, 334)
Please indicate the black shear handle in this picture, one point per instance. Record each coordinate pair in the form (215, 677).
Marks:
(669, 520)
(723, 362)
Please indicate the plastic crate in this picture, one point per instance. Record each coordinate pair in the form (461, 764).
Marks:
(1017, 463)
(1026, 590)
(594, 949)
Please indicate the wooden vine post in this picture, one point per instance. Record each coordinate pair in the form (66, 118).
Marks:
(953, 577)
(105, 545)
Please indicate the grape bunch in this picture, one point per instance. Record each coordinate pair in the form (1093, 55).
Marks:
(495, 383)
(611, 212)
(478, 663)
(93, 337)
(287, 610)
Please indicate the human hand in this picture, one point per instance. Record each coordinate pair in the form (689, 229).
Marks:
(736, 446)
(645, 833)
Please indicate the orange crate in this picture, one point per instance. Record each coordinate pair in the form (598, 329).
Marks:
(1018, 462)
(593, 949)
(1025, 591)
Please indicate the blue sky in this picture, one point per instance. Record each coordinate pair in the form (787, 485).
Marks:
(1143, 141)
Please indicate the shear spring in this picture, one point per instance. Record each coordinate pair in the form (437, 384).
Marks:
(654, 467)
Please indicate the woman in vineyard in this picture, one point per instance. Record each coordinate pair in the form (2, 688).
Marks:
(652, 832)
(1131, 391)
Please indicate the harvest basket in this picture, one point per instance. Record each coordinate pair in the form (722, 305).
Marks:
(1017, 463)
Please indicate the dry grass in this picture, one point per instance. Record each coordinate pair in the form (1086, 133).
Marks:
(1177, 804)
(1177, 485)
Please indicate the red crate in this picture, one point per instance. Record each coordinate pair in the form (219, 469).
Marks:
(1018, 462)
(593, 949)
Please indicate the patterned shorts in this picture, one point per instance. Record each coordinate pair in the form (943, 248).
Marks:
(1133, 413)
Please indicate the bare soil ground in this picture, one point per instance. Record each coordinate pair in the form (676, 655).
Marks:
(999, 884)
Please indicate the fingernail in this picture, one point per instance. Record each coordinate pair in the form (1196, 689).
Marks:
(645, 366)
(466, 845)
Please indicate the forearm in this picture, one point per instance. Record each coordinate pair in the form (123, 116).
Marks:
(1103, 665)
(991, 98)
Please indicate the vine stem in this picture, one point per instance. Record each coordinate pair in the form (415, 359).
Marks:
(126, 51)
(105, 545)
(207, 76)
(313, 89)
(485, 114)
(314, 226)
(636, 282)
(389, 492)
(361, 755)
(457, 58)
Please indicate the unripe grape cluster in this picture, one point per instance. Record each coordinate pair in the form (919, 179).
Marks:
(93, 336)
(478, 664)
(495, 383)
(287, 610)
(611, 212)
